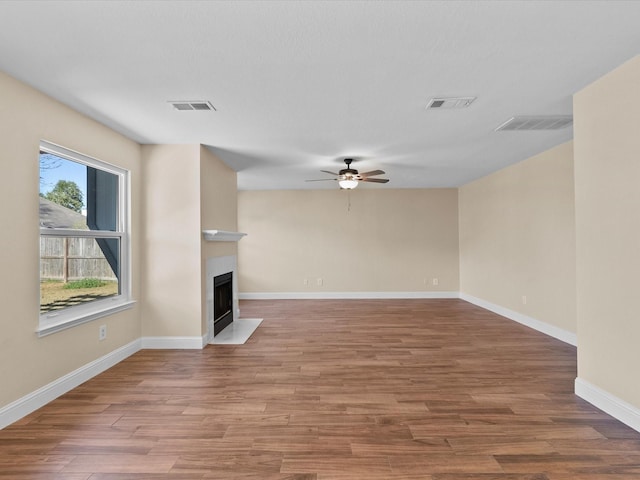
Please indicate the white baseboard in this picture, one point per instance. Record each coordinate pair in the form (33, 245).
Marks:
(341, 295)
(608, 403)
(174, 343)
(540, 326)
(40, 397)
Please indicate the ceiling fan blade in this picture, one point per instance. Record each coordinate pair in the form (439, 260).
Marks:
(376, 180)
(372, 173)
(330, 173)
(321, 180)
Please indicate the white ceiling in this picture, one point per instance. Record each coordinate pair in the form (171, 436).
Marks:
(298, 86)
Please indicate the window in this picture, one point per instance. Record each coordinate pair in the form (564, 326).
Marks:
(84, 239)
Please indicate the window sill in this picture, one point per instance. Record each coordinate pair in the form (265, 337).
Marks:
(49, 325)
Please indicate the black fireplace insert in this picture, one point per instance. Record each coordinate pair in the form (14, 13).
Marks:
(222, 302)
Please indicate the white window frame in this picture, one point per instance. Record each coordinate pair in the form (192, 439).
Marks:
(55, 321)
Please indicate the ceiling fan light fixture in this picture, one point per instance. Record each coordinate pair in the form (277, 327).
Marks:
(348, 183)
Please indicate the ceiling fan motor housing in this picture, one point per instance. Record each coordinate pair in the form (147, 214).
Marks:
(348, 172)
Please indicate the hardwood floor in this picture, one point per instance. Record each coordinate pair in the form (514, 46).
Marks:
(348, 389)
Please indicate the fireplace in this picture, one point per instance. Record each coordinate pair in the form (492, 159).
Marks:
(219, 267)
(222, 302)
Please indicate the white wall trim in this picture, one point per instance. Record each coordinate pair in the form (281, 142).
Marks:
(40, 397)
(173, 343)
(608, 403)
(341, 295)
(540, 326)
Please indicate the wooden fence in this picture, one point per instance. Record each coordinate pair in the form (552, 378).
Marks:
(72, 258)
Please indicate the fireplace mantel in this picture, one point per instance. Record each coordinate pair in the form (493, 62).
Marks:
(222, 236)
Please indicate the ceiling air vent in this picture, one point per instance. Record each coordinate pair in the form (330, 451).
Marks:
(450, 102)
(193, 105)
(539, 122)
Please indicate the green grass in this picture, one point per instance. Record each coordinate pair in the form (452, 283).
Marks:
(84, 283)
(53, 295)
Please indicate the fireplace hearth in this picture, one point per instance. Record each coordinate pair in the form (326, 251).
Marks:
(222, 302)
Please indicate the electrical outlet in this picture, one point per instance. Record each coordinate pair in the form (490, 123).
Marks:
(305, 281)
(319, 282)
(102, 332)
(435, 281)
(524, 299)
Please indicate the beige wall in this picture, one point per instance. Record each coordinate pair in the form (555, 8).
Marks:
(187, 189)
(389, 241)
(218, 211)
(517, 238)
(26, 361)
(607, 173)
(171, 256)
(176, 191)
(218, 202)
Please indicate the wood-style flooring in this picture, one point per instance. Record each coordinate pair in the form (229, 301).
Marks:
(334, 389)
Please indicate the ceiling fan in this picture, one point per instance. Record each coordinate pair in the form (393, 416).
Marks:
(348, 178)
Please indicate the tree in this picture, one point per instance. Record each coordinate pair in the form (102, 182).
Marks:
(67, 194)
(47, 162)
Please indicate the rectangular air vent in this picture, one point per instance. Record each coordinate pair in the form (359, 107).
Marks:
(450, 102)
(193, 105)
(538, 122)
